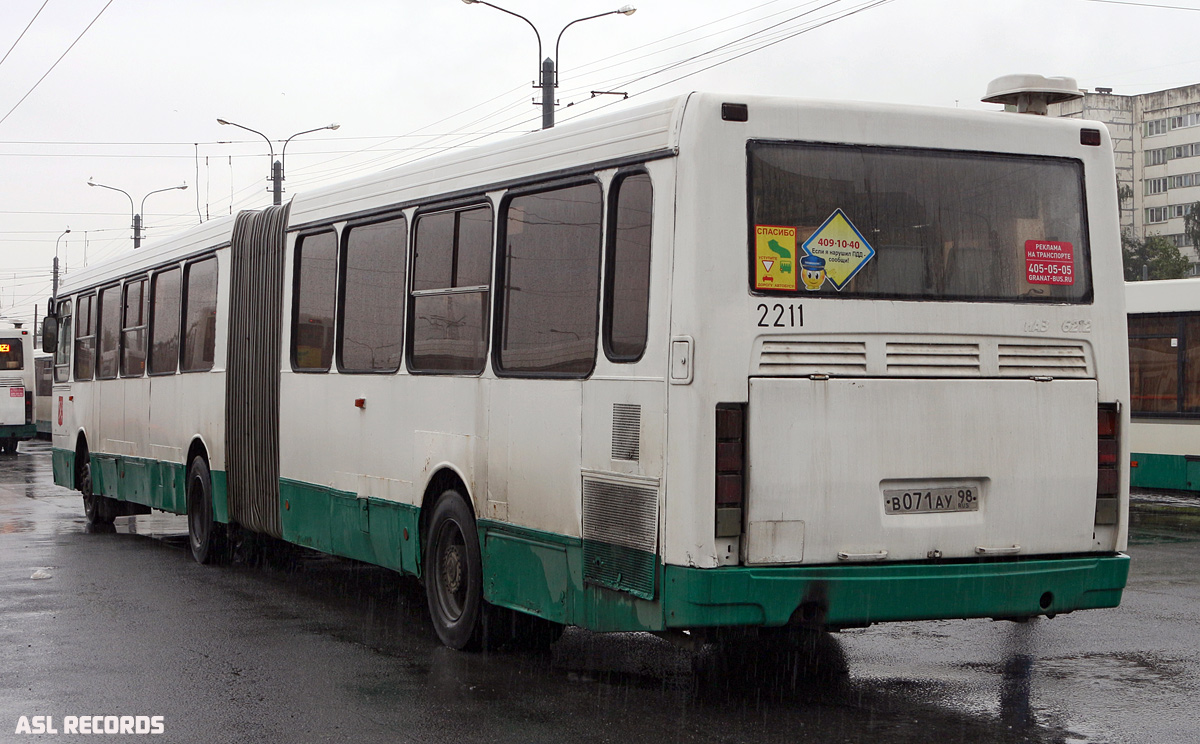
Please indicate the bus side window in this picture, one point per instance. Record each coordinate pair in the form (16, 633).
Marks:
(627, 286)
(62, 353)
(164, 322)
(452, 267)
(109, 329)
(133, 329)
(372, 321)
(85, 342)
(199, 316)
(550, 296)
(315, 292)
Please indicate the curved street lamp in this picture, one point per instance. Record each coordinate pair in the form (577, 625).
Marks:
(549, 76)
(54, 291)
(137, 216)
(277, 165)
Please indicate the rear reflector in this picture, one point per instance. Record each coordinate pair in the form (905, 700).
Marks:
(1108, 477)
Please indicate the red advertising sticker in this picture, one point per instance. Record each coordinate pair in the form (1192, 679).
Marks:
(1049, 262)
(16, 392)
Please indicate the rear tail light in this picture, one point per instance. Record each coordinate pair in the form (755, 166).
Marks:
(29, 406)
(730, 468)
(1108, 476)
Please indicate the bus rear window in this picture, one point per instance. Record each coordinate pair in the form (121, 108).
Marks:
(12, 356)
(877, 222)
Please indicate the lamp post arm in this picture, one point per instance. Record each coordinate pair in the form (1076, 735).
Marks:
(283, 150)
(159, 191)
(523, 18)
(270, 146)
(557, 62)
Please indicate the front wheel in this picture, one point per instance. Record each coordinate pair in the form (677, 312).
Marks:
(454, 573)
(97, 509)
(204, 536)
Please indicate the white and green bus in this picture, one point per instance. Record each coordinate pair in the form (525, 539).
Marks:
(16, 387)
(718, 362)
(1164, 382)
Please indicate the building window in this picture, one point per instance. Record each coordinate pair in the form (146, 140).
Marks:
(85, 340)
(1156, 214)
(316, 288)
(372, 333)
(1157, 157)
(62, 352)
(164, 322)
(1156, 127)
(199, 315)
(551, 272)
(1156, 186)
(452, 276)
(627, 292)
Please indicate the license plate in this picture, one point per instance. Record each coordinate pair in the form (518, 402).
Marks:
(931, 500)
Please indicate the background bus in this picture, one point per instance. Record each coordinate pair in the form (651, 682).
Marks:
(705, 364)
(43, 369)
(16, 387)
(1164, 381)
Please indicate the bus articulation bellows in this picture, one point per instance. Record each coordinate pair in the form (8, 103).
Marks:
(718, 362)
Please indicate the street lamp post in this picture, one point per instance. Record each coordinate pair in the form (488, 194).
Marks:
(548, 74)
(277, 165)
(54, 291)
(137, 216)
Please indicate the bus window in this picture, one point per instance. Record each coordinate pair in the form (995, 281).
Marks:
(918, 224)
(85, 343)
(133, 329)
(199, 316)
(62, 353)
(315, 288)
(110, 333)
(452, 268)
(12, 353)
(627, 294)
(551, 281)
(164, 322)
(372, 332)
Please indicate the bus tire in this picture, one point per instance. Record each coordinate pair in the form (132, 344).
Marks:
(97, 509)
(454, 573)
(204, 537)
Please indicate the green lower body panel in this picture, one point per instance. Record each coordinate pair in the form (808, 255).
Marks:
(857, 595)
(154, 483)
(18, 431)
(1166, 472)
(376, 531)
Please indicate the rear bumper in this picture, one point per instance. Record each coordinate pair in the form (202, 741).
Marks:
(857, 595)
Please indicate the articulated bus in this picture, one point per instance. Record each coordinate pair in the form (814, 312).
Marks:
(16, 387)
(1164, 384)
(715, 364)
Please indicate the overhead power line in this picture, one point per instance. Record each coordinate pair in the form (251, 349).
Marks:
(22, 36)
(60, 59)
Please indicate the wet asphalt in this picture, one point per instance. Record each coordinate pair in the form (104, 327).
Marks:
(287, 645)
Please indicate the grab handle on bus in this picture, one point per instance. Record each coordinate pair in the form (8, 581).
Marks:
(876, 556)
(1009, 550)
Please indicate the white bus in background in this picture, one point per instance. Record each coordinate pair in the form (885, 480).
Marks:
(1164, 382)
(718, 362)
(16, 387)
(43, 391)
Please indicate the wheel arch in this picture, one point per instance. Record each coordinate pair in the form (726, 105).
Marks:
(444, 477)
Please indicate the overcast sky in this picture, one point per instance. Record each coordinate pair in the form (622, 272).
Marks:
(134, 103)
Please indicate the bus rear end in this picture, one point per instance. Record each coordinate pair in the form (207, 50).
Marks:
(908, 367)
(16, 389)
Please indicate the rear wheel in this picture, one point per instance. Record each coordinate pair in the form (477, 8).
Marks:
(97, 509)
(454, 573)
(204, 536)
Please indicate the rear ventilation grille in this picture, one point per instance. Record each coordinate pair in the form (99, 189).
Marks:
(1067, 360)
(627, 432)
(933, 360)
(789, 358)
(923, 356)
(620, 535)
(12, 381)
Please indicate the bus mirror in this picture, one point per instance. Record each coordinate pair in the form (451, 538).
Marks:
(49, 334)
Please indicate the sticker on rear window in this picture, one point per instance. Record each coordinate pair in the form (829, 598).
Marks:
(1049, 262)
(774, 257)
(842, 248)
